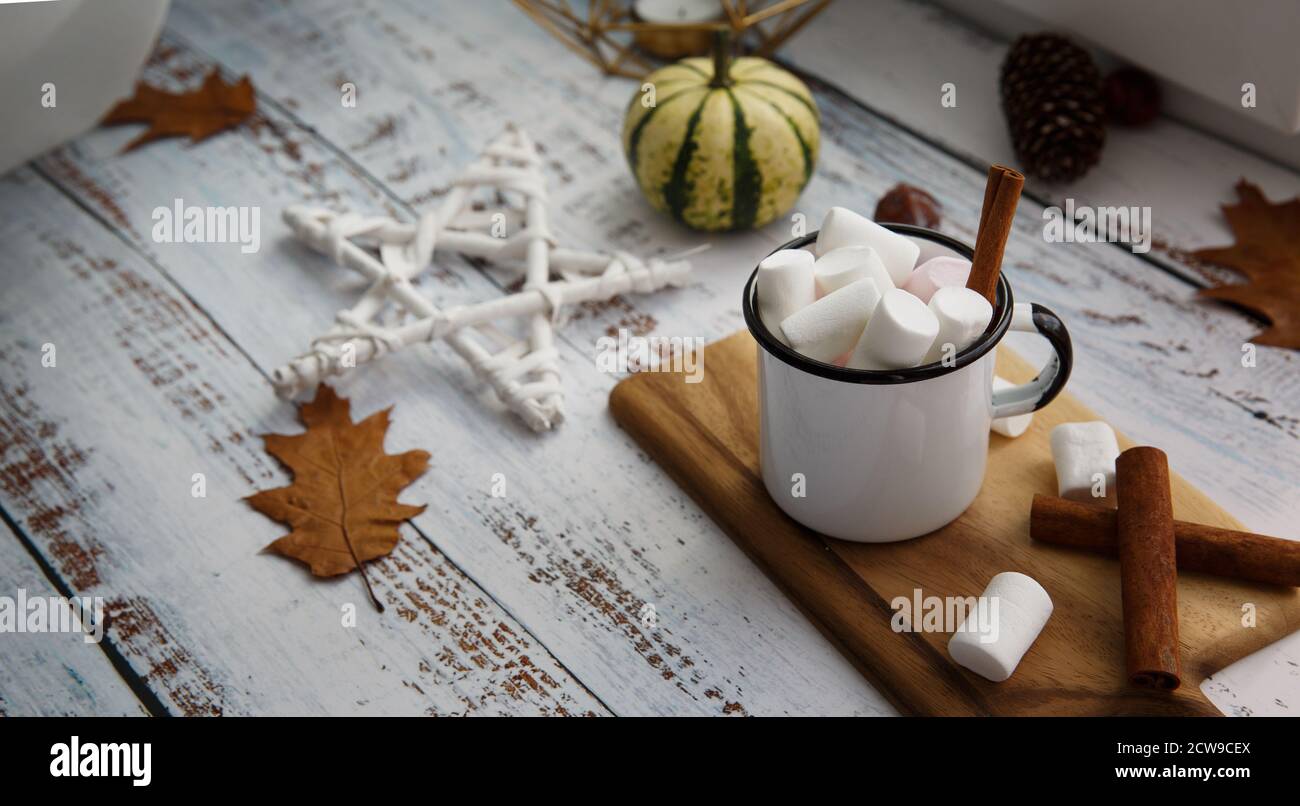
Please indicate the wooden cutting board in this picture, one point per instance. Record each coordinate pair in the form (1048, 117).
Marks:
(706, 436)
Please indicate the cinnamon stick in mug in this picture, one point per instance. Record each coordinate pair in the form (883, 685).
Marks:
(1147, 568)
(1001, 195)
(1198, 547)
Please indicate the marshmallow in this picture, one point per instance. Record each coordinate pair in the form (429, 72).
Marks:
(1009, 426)
(936, 273)
(843, 227)
(839, 267)
(963, 314)
(785, 284)
(899, 333)
(1084, 454)
(995, 636)
(831, 325)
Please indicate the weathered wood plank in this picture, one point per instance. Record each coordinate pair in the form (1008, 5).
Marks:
(1266, 683)
(895, 56)
(575, 551)
(707, 310)
(53, 674)
(426, 108)
(98, 463)
(1139, 330)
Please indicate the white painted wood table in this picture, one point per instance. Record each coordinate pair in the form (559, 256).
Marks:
(531, 603)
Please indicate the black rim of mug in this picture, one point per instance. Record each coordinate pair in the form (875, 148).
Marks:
(987, 341)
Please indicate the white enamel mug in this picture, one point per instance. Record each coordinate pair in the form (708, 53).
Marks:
(880, 456)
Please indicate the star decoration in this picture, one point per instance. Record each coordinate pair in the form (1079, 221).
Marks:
(523, 373)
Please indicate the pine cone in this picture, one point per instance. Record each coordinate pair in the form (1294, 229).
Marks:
(1051, 96)
(1132, 97)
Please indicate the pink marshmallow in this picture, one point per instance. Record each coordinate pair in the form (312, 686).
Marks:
(936, 273)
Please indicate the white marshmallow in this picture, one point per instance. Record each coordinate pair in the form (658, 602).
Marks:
(992, 640)
(1009, 426)
(935, 273)
(1085, 454)
(831, 325)
(843, 227)
(785, 284)
(839, 267)
(899, 333)
(963, 314)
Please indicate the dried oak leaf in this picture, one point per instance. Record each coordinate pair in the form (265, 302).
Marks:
(1267, 252)
(342, 506)
(213, 107)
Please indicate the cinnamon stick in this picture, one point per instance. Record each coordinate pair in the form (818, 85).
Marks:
(1147, 568)
(1198, 547)
(990, 192)
(1001, 194)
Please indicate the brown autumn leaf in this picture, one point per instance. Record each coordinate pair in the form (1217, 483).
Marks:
(213, 107)
(342, 506)
(1267, 252)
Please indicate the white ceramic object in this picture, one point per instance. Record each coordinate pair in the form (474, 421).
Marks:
(1010, 427)
(880, 456)
(90, 52)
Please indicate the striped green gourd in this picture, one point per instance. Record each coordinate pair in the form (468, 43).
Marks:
(725, 145)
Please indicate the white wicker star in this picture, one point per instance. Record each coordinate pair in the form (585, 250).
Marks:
(523, 373)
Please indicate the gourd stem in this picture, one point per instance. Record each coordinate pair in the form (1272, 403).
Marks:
(721, 58)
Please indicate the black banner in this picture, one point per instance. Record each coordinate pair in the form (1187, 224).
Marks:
(336, 755)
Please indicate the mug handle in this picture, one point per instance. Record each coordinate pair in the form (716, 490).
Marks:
(1030, 317)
